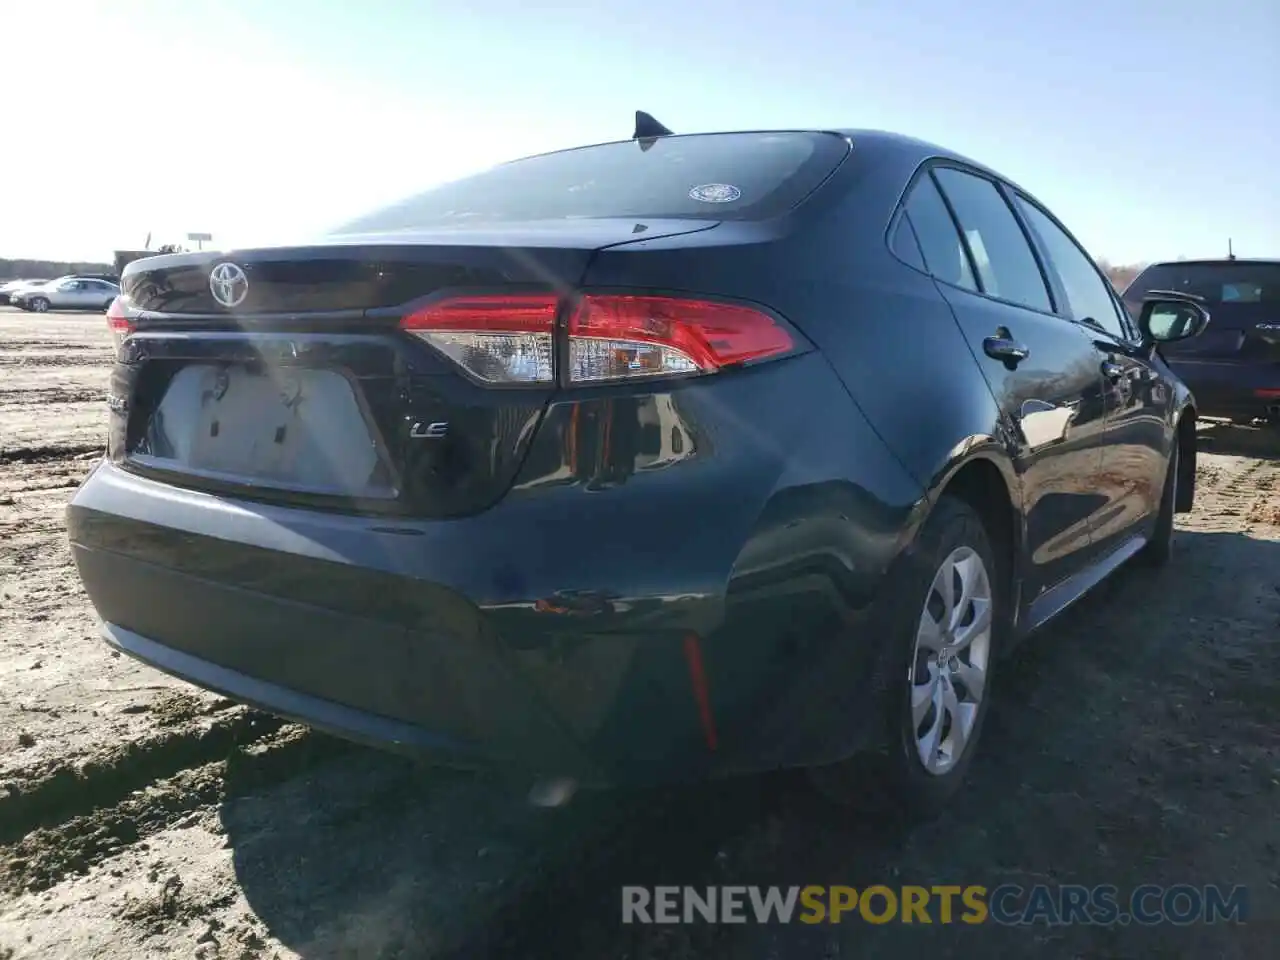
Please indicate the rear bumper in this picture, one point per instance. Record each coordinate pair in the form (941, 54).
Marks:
(1230, 389)
(347, 663)
(325, 715)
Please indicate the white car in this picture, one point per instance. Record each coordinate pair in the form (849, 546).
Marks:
(66, 293)
(11, 286)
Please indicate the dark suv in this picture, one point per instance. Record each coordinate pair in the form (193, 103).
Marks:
(1234, 369)
(669, 458)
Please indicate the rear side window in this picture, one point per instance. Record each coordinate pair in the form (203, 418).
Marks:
(1006, 266)
(731, 176)
(943, 252)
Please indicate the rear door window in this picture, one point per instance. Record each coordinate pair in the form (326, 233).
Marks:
(1006, 266)
(1089, 294)
(731, 176)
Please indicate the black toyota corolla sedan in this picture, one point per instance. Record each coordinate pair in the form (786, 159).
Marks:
(670, 458)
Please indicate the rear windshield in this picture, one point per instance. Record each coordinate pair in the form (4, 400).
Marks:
(725, 176)
(1218, 283)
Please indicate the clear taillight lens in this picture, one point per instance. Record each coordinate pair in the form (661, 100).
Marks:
(498, 339)
(120, 318)
(511, 338)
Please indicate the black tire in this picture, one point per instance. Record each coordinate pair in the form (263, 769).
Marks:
(912, 789)
(1159, 548)
(38, 304)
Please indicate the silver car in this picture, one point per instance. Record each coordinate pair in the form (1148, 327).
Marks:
(67, 293)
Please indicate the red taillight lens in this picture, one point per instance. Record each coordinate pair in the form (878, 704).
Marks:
(510, 339)
(496, 338)
(120, 320)
(614, 337)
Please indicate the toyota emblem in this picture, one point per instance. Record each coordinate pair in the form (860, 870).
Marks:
(228, 284)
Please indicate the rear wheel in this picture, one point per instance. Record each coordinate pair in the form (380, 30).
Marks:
(947, 597)
(39, 304)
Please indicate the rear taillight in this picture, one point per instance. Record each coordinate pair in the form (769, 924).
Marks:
(511, 339)
(496, 338)
(616, 337)
(120, 318)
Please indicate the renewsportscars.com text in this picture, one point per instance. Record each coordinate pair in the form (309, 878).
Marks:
(1008, 904)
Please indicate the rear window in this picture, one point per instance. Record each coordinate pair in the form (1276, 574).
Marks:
(726, 176)
(1218, 283)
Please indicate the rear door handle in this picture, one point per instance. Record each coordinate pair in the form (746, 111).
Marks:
(1005, 348)
(1112, 371)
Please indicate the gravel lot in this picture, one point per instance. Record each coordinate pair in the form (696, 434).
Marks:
(1137, 741)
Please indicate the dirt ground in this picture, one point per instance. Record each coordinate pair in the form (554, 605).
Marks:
(1136, 741)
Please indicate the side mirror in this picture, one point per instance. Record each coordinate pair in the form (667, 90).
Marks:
(1168, 316)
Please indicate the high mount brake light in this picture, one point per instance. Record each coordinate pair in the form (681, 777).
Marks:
(610, 337)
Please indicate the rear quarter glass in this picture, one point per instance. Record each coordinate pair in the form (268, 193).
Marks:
(725, 176)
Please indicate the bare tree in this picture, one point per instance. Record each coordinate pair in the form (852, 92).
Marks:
(1120, 275)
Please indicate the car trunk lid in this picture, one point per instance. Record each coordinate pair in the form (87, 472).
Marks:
(292, 374)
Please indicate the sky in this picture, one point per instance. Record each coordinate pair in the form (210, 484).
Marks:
(1152, 129)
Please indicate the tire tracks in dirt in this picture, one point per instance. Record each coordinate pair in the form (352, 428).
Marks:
(51, 360)
(53, 453)
(41, 397)
(1236, 491)
(36, 799)
(73, 823)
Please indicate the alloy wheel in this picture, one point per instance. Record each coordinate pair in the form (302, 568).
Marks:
(948, 671)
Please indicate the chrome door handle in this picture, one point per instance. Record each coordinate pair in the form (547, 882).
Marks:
(1006, 349)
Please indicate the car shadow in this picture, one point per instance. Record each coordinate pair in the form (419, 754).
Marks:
(1117, 736)
(1239, 441)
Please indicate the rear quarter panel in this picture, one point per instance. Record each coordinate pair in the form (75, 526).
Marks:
(906, 407)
